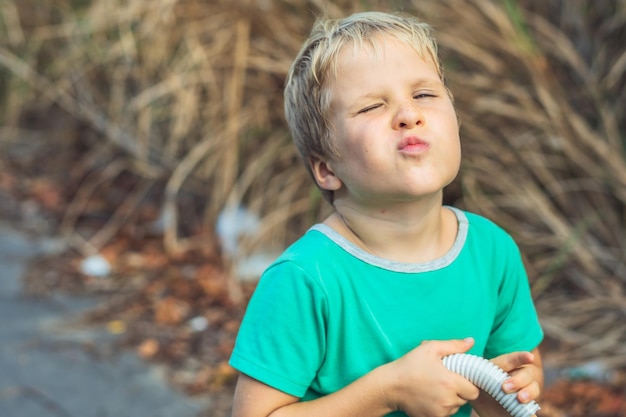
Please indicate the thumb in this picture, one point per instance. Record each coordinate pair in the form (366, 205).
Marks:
(447, 347)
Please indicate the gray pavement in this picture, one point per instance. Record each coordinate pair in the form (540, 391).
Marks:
(52, 368)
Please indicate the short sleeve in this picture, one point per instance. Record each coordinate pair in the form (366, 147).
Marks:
(281, 339)
(516, 326)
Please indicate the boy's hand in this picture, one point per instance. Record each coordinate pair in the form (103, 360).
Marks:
(526, 380)
(526, 375)
(420, 385)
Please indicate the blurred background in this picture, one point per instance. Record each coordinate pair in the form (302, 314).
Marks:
(149, 138)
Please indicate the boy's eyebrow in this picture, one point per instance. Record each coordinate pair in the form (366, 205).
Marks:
(368, 96)
(422, 82)
(428, 82)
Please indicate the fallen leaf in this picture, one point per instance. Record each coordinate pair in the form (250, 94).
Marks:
(148, 348)
(171, 311)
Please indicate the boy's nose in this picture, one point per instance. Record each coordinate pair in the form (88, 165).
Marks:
(408, 115)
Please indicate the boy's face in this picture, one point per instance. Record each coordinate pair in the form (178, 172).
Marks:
(394, 126)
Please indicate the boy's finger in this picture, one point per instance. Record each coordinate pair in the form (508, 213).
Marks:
(467, 391)
(447, 347)
(528, 393)
(514, 360)
(520, 378)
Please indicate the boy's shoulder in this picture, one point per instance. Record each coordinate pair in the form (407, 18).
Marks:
(482, 223)
(483, 229)
(313, 244)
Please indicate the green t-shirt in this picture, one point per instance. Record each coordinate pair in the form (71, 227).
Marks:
(325, 312)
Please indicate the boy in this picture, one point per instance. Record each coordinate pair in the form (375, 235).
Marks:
(354, 318)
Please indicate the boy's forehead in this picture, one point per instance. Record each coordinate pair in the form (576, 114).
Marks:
(373, 47)
(375, 44)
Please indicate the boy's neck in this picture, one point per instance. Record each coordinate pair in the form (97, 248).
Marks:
(411, 233)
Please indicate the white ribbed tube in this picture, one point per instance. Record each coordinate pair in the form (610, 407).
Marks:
(489, 377)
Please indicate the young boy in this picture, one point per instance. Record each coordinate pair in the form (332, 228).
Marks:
(355, 317)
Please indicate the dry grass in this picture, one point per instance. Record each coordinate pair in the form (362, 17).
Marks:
(185, 96)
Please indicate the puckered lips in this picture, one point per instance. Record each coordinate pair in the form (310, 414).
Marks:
(413, 144)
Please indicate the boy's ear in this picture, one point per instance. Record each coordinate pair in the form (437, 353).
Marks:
(324, 174)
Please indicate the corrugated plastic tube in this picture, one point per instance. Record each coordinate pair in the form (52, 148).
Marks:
(489, 377)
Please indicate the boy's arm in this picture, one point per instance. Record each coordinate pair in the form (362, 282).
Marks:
(364, 397)
(526, 371)
(255, 399)
(416, 383)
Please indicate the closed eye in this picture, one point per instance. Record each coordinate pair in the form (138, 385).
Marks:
(424, 95)
(369, 108)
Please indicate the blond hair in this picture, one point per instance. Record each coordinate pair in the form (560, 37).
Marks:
(308, 87)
